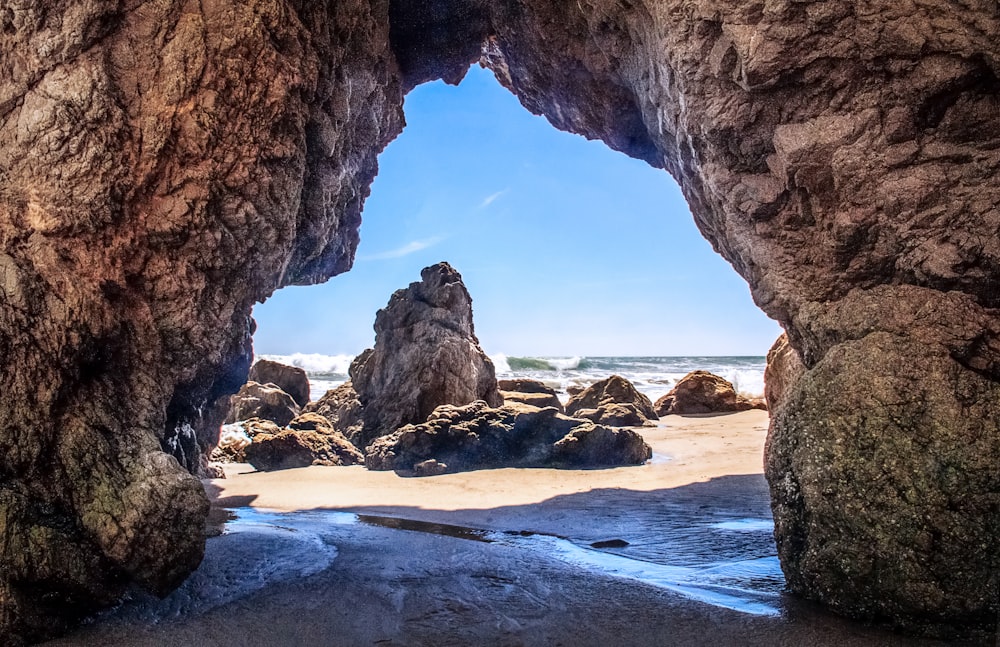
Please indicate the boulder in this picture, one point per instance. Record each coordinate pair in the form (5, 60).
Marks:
(426, 355)
(476, 436)
(614, 415)
(265, 401)
(342, 408)
(540, 400)
(525, 385)
(310, 439)
(256, 426)
(290, 379)
(600, 446)
(901, 508)
(599, 397)
(702, 392)
(531, 392)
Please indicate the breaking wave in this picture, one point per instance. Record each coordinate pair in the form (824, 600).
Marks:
(316, 364)
(654, 376)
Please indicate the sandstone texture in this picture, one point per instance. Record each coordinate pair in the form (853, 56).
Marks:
(310, 439)
(614, 414)
(165, 165)
(342, 408)
(784, 368)
(290, 379)
(426, 355)
(265, 401)
(702, 392)
(527, 391)
(612, 401)
(475, 436)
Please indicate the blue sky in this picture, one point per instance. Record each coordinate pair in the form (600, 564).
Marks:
(567, 247)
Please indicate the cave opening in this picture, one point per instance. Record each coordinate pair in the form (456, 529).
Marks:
(171, 166)
(581, 262)
(570, 250)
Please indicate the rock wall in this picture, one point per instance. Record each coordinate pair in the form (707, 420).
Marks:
(165, 164)
(844, 158)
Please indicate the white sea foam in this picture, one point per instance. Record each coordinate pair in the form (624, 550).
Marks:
(564, 363)
(653, 376)
(233, 436)
(500, 363)
(252, 555)
(315, 363)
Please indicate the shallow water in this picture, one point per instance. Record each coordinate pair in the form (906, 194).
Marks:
(259, 548)
(254, 551)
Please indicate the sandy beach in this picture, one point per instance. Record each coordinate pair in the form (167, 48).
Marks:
(344, 556)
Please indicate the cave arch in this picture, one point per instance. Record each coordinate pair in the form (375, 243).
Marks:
(163, 166)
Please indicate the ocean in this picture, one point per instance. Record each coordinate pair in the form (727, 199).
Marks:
(654, 376)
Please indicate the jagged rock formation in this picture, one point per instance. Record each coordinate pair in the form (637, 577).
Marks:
(342, 408)
(426, 355)
(612, 401)
(290, 379)
(310, 439)
(475, 436)
(265, 401)
(165, 165)
(532, 392)
(702, 392)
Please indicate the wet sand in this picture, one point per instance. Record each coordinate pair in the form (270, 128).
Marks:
(316, 556)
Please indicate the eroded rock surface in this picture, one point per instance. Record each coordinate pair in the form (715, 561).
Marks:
(266, 401)
(290, 379)
(527, 391)
(164, 165)
(426, 355)
(475, 436)
(310, 439)
(342, 408)
(702, 392)
(784, 368)
(612, 401)
(913, 463)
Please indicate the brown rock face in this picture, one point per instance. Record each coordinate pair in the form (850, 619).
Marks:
(614, 414)
(310, 439)
(290, 379)
(613, 399)
(531, 392)
(702, 392)
(475, 436)
(426, 355)
(784, 368)
(342, 408)
(265, 401)
(164, 165)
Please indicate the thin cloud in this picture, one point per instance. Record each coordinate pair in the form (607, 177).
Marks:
(411, 247)
(490, 199)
